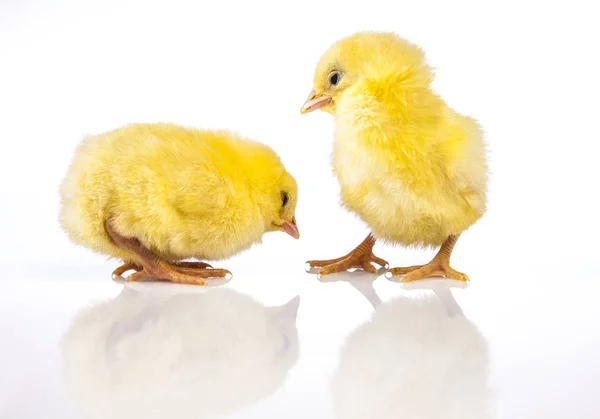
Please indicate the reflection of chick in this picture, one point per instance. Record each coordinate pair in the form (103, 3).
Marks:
(411, 167)
(154, 194)
(430, 366)
(154, 354)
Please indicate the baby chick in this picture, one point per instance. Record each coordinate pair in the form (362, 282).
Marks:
(410, 166)
(155, 194)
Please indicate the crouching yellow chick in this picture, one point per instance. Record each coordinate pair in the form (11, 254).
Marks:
(156, 194)
(410, 166)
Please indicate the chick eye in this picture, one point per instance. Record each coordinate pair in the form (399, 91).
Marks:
(285, 198)
(334, 78)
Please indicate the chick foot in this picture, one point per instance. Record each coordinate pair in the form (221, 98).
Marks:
(151, 266)
(200, 265)
(439, 266)
(191, 276)
(432, 269)
(189, 268)
(360, 258)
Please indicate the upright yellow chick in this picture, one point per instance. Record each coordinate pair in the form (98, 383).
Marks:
(155, 194)
(410, 166)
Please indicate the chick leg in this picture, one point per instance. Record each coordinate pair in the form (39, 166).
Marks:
(154, 267)
(439, 266)
(361, 258)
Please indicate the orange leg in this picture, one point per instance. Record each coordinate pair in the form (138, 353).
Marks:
(360, 258)
(439, 266)
(154, 267)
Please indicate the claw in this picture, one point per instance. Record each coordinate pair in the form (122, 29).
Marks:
(127, 266)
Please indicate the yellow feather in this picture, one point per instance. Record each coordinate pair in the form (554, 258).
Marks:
(411, 167)
(182, 192)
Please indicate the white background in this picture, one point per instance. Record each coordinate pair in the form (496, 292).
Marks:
(527, 70)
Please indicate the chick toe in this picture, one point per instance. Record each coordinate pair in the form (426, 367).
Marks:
(167, 272)
(200, 265)
(127, 266)
(381, 262)
(203, 272)
(402, 271)
(138, 275)
(321, 263)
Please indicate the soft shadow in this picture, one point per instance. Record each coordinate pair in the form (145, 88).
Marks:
(418, 357)
(162, 351)
(359, 279)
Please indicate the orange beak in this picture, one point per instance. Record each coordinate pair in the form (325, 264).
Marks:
(291, 228)
(315, 101)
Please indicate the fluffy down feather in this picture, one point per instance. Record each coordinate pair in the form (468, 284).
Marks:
(182, 192)
(410, 166)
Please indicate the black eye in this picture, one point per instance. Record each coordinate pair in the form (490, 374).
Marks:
(334, 78)
(285, 198)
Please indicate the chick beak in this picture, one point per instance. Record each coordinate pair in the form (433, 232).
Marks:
(291, 228)
(315, 101)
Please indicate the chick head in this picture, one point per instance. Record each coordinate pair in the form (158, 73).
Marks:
(274, 190)
(283, 205)
(376, 58)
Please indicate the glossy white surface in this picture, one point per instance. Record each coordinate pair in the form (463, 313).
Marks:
(529, 344)
(76, 347)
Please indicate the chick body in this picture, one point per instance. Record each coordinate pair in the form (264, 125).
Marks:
(408, 191)
(410, 166)
(181, 192)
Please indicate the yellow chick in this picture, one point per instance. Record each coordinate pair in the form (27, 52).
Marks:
(410, 166)
(156, 194)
